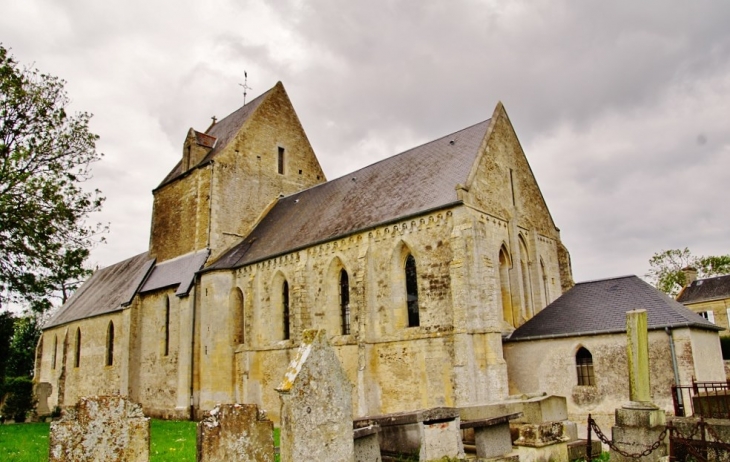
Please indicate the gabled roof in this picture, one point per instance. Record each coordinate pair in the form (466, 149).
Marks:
(222, 133)
(107, 290)
(599, 307)
(705, 290)
(413, 182)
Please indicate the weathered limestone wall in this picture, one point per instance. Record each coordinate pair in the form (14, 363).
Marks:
(246, 178)
(454, 357)
(181, 215)
(549, 366)
(92, 375)
(161, 354)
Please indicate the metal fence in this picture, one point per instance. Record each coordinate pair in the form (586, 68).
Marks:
(705, 399)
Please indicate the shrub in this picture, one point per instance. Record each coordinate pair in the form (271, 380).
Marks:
(19, 398)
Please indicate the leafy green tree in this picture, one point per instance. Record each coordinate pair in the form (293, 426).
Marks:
(26, 333)
(45, 156)
(666, 267)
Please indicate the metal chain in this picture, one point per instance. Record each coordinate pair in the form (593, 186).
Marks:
(636, 455)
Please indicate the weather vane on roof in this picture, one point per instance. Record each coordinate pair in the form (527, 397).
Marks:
(245, 86)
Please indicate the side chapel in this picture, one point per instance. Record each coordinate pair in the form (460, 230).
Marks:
(417, 266)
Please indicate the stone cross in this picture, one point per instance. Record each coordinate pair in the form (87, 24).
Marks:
(637, 349)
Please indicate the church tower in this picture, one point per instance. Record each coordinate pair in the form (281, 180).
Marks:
(230, 175)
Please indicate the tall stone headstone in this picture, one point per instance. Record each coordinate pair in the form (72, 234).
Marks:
(316, 405)
(637, 351)
(639, 423)
(235, 432)
(108, 428)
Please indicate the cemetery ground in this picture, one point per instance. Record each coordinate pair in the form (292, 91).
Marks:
(170, 441)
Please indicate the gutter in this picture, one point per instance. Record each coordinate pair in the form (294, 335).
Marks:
(612, 331)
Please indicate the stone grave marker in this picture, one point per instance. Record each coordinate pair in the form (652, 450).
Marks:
(316, 405)
(108, 428)
(235, 432)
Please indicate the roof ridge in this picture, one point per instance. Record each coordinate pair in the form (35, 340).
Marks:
(386, 159)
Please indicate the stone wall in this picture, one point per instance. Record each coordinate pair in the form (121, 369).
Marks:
(549, 366)
(719, 309)
(69, 381)
(454, 356)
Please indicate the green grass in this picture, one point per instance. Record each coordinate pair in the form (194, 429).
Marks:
(24, 442)
(170, 441)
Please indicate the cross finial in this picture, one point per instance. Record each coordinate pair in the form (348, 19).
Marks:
(245, 86)
(215, 119)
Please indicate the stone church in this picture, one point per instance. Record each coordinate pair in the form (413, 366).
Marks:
(417, 266)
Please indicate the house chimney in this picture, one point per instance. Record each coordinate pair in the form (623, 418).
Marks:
(690, 275)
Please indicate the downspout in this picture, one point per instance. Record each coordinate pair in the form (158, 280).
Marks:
(674, 363)
(192, 352)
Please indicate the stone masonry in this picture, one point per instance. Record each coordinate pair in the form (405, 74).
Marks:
(235, 432)
(108, 428)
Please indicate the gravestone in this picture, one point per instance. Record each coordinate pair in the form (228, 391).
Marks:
(108, 428)
(235, 432)
(43, 391)
(639, 423)
(316, 405)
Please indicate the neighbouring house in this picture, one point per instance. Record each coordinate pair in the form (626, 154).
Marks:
(710, 298)
(576, 347)
(416, 266)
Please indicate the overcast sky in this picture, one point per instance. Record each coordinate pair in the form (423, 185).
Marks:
(623, 108)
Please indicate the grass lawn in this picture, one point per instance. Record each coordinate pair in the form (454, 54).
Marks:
(170, 441)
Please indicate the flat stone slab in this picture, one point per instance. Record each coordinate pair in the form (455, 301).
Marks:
(479, 423)
(427, 416)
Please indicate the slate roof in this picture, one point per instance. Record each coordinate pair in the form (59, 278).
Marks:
(413, 182)
(599, 307)
(705, 290)
(178, 272)
(107, 290)
(222, 131)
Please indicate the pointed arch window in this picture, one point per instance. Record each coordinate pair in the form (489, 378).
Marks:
(110, 344)
(545, 290)
(345, 302)
(504, 286)
(77, 348)
(167, 326)
(285, 309)
(55, 351)
(584, 367)
(237, 312)
(412, 291)
(526, 280)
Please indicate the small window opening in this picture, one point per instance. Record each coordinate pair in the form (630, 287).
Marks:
(110, 344)
(345, 302)
(77, 350)
(285, 308)
(167, 326)
(281, 160)
(412, 292)
(584, 368)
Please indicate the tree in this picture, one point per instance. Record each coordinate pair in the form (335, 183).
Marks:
(666, 267)
(45, 156)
